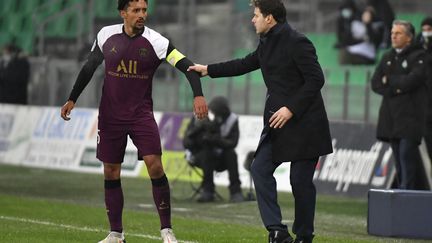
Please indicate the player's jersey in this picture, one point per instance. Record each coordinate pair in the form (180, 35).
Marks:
(130, 63)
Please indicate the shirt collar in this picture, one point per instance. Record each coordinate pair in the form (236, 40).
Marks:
(273, 31)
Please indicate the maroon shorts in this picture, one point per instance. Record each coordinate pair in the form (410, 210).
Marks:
(112, 139)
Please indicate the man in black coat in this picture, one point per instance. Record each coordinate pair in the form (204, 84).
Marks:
(400, 79)
(14, 76)
(296, 127)
(425, 39)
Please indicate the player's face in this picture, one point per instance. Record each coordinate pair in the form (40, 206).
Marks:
(135, 15)
(400, 39)
(261, 23)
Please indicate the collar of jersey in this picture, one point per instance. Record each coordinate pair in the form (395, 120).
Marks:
(135, 36)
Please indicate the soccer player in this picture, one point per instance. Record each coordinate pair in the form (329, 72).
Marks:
(132, 53)
(296, 127)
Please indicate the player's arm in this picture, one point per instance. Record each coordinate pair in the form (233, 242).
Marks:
(178, 60)
(93, 61)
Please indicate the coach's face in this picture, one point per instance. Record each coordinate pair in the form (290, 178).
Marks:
(399, 37)
(262, 24)
(135, 14)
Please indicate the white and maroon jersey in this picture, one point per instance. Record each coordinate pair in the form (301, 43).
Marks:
(130, 63)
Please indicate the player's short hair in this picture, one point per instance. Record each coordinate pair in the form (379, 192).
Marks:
(409, 28)
(274, 7)
(123, 4)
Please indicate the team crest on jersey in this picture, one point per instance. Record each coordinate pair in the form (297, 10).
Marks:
(143, 52)
(405, 64)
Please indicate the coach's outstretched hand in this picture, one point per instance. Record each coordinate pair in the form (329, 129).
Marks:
(66, 110)
(202, 69)
(200, 107)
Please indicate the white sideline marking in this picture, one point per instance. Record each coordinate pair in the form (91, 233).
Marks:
(24, 220)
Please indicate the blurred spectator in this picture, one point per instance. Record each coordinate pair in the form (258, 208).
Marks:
(210, 146)
(14, 75)
(359, 34)
(348, 12)
(384, 13)
(425, 40)
(400, 80)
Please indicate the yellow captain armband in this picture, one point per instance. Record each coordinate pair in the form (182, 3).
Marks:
(174, 57)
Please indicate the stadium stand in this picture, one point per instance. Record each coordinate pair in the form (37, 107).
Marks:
(197, 28)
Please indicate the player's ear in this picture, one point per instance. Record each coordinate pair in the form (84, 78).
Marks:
(123, 13)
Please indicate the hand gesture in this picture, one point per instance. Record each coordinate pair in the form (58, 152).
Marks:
(280, 117)
(66, 110)
(202, 69)
(200, 107)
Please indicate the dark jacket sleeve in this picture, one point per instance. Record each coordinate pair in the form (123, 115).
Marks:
(93, 61)
(234, 67)
(377, 84)
(306, 61)
(415, 79)
(189, 136)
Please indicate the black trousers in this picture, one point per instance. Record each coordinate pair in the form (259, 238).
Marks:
(211, 161)
(408, 162)
(428, 140)
(303, 189)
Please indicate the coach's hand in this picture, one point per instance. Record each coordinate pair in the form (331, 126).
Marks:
(280, 117)
(66, 110)
(202, 69)
(200, 107)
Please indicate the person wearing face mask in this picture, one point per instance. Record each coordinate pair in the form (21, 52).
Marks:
(425, 40)
(359, 34)
(348, 12)
(14, 76)
(400, 78)
(210, 145)
(385, 13)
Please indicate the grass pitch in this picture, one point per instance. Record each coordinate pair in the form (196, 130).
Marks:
(39, 205)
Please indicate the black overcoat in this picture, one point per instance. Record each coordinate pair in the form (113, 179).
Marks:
(404, 95)
(293, 78)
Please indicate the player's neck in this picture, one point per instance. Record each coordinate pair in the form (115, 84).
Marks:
(130, 31)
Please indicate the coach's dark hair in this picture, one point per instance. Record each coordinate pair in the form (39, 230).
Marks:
(409, 28)
(273, 7)
(123, 4)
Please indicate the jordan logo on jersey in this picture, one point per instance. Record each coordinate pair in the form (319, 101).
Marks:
(113, 49)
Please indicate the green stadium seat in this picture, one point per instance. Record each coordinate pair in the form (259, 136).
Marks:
(25, 40)
(105, 9)
(415, 19)
(13, 23)
(5, 38)
(6, 6)
(28, 6)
